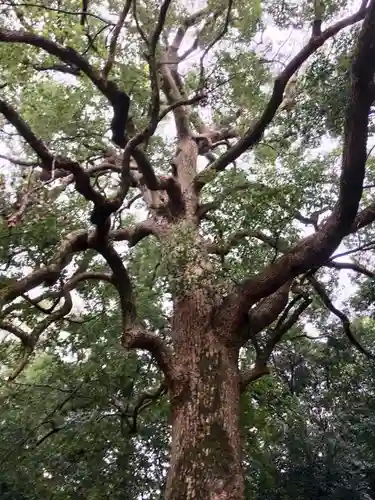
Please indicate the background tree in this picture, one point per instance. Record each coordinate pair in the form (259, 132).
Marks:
(211, 270)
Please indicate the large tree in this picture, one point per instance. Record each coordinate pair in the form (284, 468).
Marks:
(231, 268)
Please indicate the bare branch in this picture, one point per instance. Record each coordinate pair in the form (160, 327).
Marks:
(18, 332)
(352, 266)
(18, 161)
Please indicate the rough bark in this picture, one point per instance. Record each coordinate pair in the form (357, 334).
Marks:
(205, 454)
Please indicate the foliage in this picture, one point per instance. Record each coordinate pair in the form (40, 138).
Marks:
(84, 418)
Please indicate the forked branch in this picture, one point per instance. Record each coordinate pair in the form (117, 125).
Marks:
(314, 250)
(255, 132)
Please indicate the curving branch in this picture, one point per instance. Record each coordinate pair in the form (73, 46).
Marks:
(66, 54)
(119, 100)
(103, 208)
(144, 400)
(24, 337)
(29, 343)
(267, 311)
(75, 242)
(351, 266)
(316, 249)
(320, 290)
(136, 336)
(255, 132)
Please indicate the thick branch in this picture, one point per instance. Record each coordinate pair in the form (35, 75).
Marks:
(255, 132)
(119, 100)
(75, 242)
(137, 337)
(25, 131)
(314, 250)
(24, 337)
(102, 207)
(65, 54)
(269, 309)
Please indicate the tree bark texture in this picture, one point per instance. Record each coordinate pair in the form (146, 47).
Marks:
(205, 394)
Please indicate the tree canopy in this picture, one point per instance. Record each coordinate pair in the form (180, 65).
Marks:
(243, 170)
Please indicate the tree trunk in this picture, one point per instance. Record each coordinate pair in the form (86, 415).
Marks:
(206, 448)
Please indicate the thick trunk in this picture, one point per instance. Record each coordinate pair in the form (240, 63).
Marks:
(206, 449)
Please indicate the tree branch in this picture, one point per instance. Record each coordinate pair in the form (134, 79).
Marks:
(318, 287)
(352, 266)
(314, 250)
(269, 309)
(283, 326)
(75, 242)
(145, 400)
(102, 207)
(213, 42)
(255, 132)
(137, 337)
(113, 43)
(65, 54)
(61, 11)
